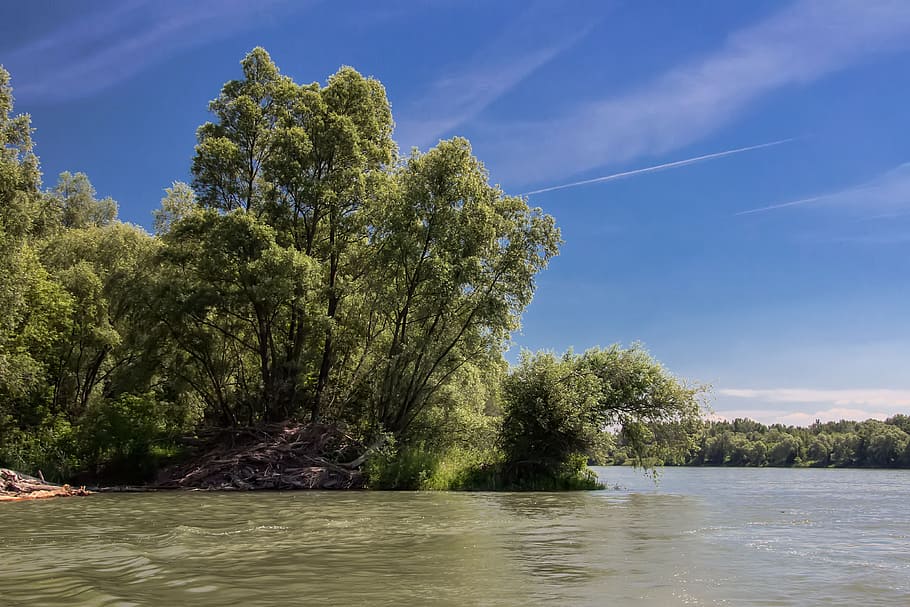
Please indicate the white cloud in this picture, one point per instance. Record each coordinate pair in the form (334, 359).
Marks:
(884, 196)
(793, 47)
(115, 42)
(537, 36)
(829, 405)
(879, 397)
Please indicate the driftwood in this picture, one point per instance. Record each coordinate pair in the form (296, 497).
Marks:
(289, 456)
(15, 487)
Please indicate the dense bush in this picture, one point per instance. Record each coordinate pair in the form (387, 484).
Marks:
(557, 409)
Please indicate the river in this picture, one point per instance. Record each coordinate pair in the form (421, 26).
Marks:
(700, 536)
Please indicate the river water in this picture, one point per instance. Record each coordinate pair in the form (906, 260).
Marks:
(700, 536)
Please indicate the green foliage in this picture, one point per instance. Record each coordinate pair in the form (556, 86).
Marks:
(20, 178)
(225, 290)
(104, 270)
(49, 449)
(308, 272)
(454, 267)
(419, 467)
(401, 468)
(122, 439)
(458, 469)
(842, 444)
(886, 444)
(73, 201)
(304, 159)
(179, 201)
(556, 410)
(74, 341)
(415, 270)
(32, 304)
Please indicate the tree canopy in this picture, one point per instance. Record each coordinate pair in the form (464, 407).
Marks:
(309, 272)
(559, 408)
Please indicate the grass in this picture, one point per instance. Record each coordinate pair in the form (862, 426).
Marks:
(458, 469)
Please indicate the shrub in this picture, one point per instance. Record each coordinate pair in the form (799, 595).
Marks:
(557, 409)
(48, 450)
(400, 468)
(124, 439)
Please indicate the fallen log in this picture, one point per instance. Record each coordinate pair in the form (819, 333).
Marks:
(357, 463)
(281, 457)
(16, 487)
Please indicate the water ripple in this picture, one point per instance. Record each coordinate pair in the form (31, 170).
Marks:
(700, 537)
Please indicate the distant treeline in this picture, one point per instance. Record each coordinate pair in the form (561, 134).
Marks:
(744, 442)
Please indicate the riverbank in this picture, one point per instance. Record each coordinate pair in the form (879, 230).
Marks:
(293, 456)
(278, 457)
(15, 486)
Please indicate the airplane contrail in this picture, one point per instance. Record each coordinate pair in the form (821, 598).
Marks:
(659, 167)
(792, 203)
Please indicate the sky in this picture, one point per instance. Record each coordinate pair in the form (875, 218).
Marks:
(732, 179)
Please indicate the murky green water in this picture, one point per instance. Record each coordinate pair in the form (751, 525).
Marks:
(700, 537)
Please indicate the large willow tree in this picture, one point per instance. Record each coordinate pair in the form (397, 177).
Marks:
(317, 273)
(32, 304)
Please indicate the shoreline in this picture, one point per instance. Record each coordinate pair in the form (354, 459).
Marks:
(17, 487)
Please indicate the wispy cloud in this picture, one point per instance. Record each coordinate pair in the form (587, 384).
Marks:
(117, 41)
(805, 405)
(796, 46)
(884, 197)
(782, 205)
(878, 397)
(658, 167)
(535, 37)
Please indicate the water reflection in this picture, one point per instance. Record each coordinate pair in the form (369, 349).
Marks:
(545, 537)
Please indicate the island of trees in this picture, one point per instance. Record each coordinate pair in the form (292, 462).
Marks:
(314, 309)
(310, 283)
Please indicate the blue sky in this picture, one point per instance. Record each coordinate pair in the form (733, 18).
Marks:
(777, 274)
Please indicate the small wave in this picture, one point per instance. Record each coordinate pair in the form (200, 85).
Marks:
(184, 530)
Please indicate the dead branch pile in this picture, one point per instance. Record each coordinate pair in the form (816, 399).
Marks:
(15, 487)
(289, 456)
